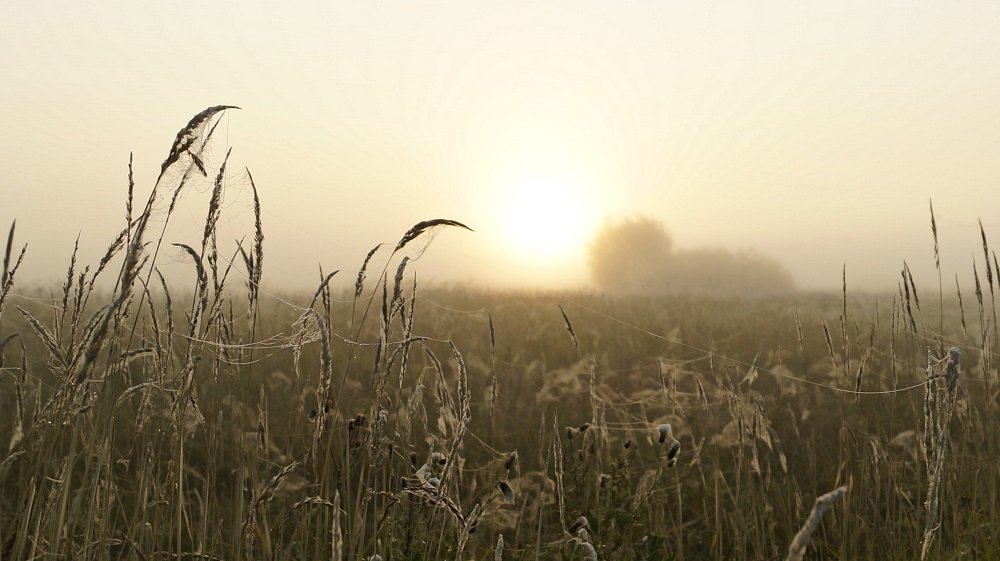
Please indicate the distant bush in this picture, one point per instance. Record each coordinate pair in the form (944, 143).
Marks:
(630, 256)
(636, 256)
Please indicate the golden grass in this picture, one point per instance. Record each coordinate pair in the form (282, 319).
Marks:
(216, 421)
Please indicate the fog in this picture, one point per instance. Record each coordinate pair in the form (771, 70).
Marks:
(814, 133)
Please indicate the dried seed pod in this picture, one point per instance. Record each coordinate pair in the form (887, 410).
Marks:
(508, 493)
(664, 431)
(432, 466)
(675, 448)
(511, 460)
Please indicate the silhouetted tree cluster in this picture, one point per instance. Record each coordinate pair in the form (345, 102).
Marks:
(630, 256)
(636, 256)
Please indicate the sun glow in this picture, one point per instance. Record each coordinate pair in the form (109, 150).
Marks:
(549, 218)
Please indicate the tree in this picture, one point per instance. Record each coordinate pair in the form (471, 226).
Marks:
(636, 256)
(720, 272)
(630, 255)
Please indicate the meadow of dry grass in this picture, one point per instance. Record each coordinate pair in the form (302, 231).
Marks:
(225, 420)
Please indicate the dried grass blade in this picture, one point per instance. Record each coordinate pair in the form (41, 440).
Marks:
(569, 328)
(797, 549)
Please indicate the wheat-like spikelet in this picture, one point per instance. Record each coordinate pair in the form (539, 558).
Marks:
(7, 278)
(47, 337)
(464, 413)
(907, 287)
(79, 302)
(261, 500)
(408, 338)
(67, 289)
(398, 299)
(961, 309)
(829, 344)
(845, 341)
(569, 328)
(6, 254)
(20, 383)
(494, 388)
(859, 375)
(320, 290)
(258, 244)
(360, 282)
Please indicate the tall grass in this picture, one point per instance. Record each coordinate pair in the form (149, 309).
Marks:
(219, 420)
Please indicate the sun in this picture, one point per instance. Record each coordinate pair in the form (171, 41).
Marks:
(548, 218)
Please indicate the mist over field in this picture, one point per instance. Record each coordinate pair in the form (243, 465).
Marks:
(814, 134)
(508, 281)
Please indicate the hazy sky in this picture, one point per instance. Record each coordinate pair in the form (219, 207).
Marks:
(814, 132)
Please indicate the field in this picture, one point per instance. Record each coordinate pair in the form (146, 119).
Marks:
(228, 420)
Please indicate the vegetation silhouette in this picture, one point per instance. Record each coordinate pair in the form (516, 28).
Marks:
(636, 256)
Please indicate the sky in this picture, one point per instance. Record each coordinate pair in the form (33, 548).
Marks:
(813, 132)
